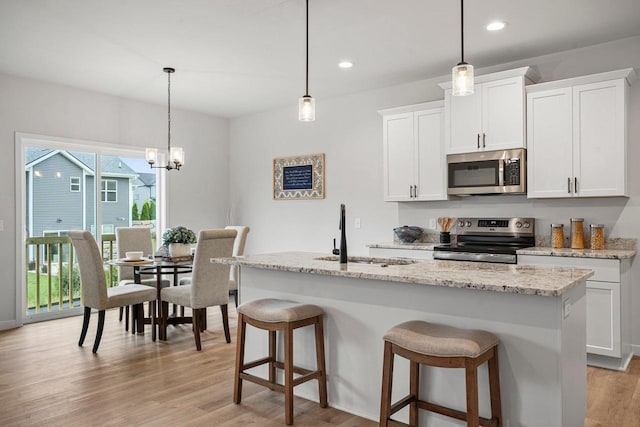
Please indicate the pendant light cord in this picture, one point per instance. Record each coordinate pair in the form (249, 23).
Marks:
(169, 113)
(461, 30)
(307, 74)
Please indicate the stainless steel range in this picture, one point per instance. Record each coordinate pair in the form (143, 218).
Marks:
(489, 240)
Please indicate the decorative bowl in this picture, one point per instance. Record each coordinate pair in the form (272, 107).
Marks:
(408, 233)
(134, 255)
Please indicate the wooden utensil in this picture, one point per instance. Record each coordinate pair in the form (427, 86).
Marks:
(441, 223)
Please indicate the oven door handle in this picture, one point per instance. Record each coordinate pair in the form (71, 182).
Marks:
(501, 172)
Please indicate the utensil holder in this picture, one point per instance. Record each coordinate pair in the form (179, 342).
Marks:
(445, 237)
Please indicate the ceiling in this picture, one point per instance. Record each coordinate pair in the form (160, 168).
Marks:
(237, 57)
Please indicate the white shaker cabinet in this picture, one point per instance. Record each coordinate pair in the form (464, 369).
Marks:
(413, 156)
(493, 118)
(608, 306)
(576, 133)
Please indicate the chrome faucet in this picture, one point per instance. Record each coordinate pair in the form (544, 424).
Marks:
(343, 235)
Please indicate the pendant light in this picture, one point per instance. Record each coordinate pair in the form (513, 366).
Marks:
(462, 74)
(176, 154)
(306, 104)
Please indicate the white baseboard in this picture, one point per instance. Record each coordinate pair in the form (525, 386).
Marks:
(8, 324)
(635, 349)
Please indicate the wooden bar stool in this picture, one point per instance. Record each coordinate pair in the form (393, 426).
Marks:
(446, 347)
(278, 315)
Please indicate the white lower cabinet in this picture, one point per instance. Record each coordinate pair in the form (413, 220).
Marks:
(608, 306)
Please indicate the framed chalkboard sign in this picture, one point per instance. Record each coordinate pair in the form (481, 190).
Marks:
(298, 177)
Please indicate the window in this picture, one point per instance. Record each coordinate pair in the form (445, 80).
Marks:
(109, 190)
(74, 184)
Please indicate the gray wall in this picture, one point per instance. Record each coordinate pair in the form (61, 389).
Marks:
(349, 131)
(32, 106)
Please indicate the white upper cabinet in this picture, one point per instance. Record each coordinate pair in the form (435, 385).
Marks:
(413, 153)
(492, 118)
(576, 132)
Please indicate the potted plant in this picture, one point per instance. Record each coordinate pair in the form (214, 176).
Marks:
(179, 240)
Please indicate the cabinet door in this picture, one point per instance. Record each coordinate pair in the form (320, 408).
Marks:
(598, 129)
(399, 156)
(549, 138)
(603, 318)
(463, 127)
(503, 114)
(430, 170)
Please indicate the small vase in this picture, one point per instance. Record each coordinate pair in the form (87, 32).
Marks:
(179, 250)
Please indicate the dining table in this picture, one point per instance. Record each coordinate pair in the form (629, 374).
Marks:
(158, 267)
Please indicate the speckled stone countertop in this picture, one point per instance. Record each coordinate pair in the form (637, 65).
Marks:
(526, 280)
(413, 246)
(579, 253)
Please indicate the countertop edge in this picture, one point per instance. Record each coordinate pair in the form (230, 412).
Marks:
(578, 253)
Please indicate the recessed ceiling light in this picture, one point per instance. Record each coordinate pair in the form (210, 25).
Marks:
(496, 26)
(345, 64)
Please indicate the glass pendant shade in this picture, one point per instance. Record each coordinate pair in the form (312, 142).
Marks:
(462, 79)
(151, 155)
(306, 109)
(176, 156)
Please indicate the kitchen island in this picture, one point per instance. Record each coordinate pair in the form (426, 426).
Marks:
(537, 312)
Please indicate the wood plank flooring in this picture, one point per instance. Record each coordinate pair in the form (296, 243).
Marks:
(47, 380)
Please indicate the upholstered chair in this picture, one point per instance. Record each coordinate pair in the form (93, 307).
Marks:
(95, 294)
(209, 283)
(238, 250)
(129, 239)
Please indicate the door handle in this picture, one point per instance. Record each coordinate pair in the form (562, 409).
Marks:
(484, 138)
(569, 185)
(575, 185)
(478, 140)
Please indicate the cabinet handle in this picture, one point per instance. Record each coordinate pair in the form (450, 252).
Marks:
(478, 135)
(484, 138)
(575, 185)
(411, 191)
(415, 191)
(569, 185)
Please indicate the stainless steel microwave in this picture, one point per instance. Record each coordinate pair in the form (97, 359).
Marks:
(487, 172)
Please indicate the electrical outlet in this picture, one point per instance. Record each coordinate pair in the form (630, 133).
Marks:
(432, 223)
(566, 308)
(357, 223)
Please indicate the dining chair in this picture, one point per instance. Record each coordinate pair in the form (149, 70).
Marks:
(129, 239)
(209, 283)
(95, 294)
(238, 250)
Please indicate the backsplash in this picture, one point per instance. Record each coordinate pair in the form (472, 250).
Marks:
(544, 241)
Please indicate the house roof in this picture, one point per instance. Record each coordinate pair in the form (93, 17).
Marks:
(111, 165)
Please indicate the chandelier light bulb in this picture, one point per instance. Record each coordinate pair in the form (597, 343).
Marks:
(462, 77)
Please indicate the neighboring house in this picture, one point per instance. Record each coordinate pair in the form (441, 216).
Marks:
(60, 191)
(144, 188)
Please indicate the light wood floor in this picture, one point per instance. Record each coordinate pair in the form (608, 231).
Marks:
(47, 380)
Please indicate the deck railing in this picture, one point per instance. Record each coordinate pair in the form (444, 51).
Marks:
(52, 274)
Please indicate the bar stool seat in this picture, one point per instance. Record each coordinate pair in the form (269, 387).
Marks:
(447, 347)
(279, 315)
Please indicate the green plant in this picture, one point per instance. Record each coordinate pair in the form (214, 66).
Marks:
(178, 234)
(135, 214)
(152, 209)
(146, 213)
(75, 281)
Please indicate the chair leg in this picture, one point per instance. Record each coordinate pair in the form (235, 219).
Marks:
(387, 377)
(322, 381)
(288, 375)
(120, 315)
(473, 415)
(197, 318)
(237, 383)
(225, 322)
(85, 325)
(494, 388)
(164, 312)
(134, 319)
(272, 356)
(203, 319)
(126, 318)
(414, 381)
(140, 319)
(152, 311)
(99, 332)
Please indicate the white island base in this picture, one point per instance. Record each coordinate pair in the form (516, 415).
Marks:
(541, 353)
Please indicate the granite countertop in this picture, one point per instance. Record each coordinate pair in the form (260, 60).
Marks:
(413, 246)
(516, 279)
(579, 253)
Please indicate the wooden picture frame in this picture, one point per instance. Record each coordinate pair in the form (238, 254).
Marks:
(298, 177)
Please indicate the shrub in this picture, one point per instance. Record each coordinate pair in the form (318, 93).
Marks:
(65, 281)
(135, 214)
(146, 214)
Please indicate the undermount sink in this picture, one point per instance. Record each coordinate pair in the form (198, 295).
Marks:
(382, 262)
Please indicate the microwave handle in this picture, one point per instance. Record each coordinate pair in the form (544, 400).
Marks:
(501, 173)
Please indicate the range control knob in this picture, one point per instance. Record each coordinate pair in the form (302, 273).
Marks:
(468, 223)
(526, 224)
(460, 223)
(518, 224)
